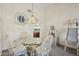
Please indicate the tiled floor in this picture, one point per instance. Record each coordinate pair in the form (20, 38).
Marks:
(57, 51)
(6, 53)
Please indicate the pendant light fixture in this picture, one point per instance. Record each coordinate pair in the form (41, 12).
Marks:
(32, 18)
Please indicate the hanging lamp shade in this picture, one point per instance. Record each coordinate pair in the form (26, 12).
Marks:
(32, 18)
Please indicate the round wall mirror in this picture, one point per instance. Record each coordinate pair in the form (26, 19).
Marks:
(21, 18)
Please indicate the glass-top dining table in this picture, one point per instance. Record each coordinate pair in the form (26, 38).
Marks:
(31, 46)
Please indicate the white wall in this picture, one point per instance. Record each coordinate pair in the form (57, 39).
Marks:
(9, 13)
(48, 14)
(0, 29)
(0, 35)
(57, 14)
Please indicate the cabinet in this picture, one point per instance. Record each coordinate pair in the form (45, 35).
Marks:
(36, 32)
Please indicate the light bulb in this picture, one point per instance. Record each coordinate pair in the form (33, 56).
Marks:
(32, 19)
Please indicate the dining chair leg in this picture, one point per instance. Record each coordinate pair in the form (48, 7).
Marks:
(0, 53)
(65, 48)
(77, 51)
